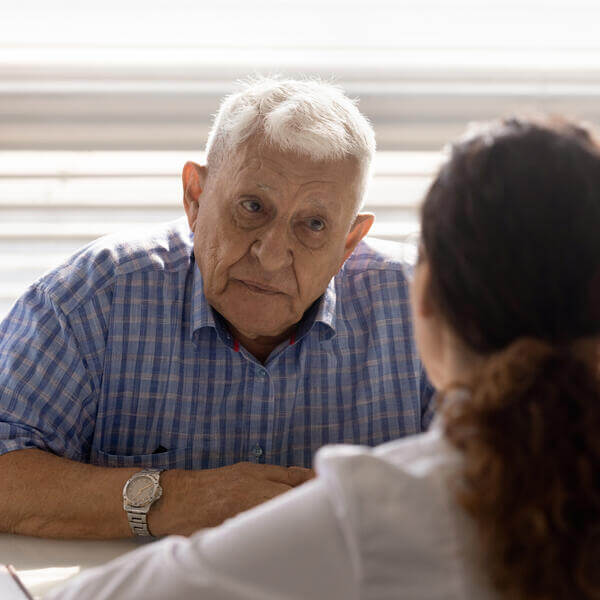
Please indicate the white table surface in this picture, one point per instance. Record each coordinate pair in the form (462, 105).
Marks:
(43, 564)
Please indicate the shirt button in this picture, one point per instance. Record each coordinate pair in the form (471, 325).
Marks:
(262, 372)
(257, 451)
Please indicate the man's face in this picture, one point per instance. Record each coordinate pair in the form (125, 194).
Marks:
(270, 231)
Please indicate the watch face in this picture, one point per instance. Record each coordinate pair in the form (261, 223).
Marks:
(140, 490)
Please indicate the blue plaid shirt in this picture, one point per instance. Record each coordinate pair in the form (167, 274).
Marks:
(115, 358)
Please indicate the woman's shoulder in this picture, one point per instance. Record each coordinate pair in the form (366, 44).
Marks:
(414, 457)
(395, 506)
(400, 487)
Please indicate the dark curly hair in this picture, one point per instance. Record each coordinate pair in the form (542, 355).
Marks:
(511, 232)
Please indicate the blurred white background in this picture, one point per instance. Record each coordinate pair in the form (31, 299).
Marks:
(101, 103)
(134, 74)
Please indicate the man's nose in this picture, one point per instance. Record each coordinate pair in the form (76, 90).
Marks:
(272, 248)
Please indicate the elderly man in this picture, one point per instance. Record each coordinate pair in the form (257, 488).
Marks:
(163, 383)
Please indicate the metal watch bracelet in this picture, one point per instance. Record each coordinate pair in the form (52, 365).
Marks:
(138, 523)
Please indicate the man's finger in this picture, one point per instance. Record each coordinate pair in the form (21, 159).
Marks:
(272, 490)
(298, 475)
(273, 473)
(288, 475)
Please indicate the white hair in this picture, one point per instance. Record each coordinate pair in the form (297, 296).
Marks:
(309, 117)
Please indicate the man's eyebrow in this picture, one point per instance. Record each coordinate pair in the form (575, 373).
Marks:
(318, 204)
(315, 202)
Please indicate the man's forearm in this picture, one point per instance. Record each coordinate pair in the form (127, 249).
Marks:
(49, 496)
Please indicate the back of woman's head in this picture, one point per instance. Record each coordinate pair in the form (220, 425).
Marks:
(511, 232)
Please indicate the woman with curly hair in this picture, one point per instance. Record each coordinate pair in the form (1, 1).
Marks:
(510, 267)
(501, 498)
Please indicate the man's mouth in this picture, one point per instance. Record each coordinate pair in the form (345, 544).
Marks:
(259, 288)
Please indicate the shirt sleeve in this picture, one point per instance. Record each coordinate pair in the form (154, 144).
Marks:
(291, 547)
(45, 390)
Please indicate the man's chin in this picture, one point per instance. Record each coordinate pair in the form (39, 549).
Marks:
(265, 333)
(260, 319)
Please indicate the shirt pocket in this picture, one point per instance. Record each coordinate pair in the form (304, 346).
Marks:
(179, 458)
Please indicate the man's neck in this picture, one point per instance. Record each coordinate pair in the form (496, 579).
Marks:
(262, 346)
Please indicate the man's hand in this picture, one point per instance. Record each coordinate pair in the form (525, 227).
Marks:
(195, 499)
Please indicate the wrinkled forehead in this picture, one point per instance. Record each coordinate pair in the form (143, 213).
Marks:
(270, 167)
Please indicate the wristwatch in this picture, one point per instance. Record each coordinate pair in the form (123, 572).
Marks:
(140, 492)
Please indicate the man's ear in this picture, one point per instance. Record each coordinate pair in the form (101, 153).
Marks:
(194, 179)
(359, 229)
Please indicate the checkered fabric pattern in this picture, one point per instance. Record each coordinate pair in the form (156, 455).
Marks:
(115, 358)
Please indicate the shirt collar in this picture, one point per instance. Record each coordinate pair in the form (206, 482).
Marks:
(323, 311)
(444, 401)
(203, 314)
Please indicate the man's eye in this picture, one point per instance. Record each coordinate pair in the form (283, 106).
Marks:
(316, 224)
(252, 206)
